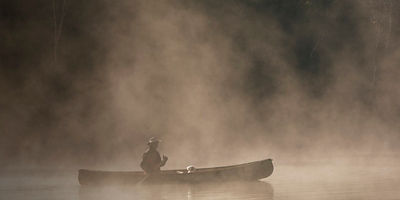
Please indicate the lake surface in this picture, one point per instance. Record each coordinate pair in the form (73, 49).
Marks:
(305, 181)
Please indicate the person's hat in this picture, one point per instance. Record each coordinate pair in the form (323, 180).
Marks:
(153, 140)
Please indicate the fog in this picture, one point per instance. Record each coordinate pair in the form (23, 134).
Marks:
(88, 83)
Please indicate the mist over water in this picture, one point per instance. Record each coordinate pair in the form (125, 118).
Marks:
(304, 181)
(269, 78)
(86, 84)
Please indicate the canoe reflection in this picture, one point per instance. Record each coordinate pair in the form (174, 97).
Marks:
(232, 190)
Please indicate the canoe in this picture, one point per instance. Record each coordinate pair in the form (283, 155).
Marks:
(242, 172)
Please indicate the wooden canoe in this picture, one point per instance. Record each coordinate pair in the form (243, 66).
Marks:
(243, 172)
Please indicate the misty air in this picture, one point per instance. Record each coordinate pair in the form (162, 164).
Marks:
(189, 100)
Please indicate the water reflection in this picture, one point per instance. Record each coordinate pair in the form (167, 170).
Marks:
(233, 190)
(291, 182)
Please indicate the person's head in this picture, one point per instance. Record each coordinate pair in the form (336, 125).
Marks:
(153, 143)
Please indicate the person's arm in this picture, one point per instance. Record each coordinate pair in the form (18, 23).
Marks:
(164, 160)
(144, 164)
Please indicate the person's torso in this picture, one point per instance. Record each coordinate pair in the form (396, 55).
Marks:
(152, 160)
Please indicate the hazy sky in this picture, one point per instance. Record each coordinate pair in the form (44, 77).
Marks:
(88, 82)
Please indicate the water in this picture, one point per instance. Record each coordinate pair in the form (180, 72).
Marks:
(306, 181)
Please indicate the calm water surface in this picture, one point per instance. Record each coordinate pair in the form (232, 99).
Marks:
(307, 181)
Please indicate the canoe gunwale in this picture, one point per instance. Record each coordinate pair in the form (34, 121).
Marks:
(247, 171)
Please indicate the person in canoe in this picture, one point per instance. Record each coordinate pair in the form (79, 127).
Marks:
(152, 162)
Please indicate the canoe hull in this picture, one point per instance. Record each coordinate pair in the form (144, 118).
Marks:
(243, 172)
